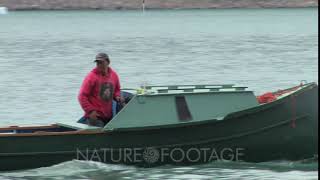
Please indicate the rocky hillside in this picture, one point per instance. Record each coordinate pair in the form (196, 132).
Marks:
(152, 4)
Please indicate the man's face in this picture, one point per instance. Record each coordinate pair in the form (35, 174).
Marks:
(102, 65)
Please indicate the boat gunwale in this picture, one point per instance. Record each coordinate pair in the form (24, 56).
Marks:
(45, 133)
(8, 128)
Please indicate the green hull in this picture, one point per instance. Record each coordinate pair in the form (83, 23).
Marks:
(286, 129)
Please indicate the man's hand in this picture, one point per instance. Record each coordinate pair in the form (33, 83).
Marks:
(120, 100)
(94, 115)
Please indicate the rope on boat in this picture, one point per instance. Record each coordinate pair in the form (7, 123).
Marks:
(293, 101)
(293, 110)
(294, 105)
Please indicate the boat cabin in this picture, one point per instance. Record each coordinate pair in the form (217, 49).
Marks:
(165, 106)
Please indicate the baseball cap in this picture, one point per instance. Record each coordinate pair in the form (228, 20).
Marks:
(102, 57)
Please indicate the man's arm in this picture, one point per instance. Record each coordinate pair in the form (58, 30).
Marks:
(117, 92)
(85, 93)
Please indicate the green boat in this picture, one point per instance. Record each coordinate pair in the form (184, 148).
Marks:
(184, 124)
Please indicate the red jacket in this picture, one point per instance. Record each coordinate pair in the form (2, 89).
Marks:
(98, 91)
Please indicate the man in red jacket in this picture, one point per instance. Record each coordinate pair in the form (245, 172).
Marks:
(98, 89)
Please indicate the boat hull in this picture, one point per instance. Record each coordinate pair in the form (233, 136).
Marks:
(286, 129)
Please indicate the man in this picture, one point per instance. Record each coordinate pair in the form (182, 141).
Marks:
(98, 89)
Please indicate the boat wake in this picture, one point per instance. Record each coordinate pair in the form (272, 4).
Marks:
(277, 166)
(68, 170)
(94, 170)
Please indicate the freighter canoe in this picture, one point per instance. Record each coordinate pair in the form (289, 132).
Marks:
(178, 125)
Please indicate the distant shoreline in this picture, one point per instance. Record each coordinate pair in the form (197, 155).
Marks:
(163, 9)
(152, 4)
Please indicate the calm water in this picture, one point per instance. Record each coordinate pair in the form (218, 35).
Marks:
(45, 55)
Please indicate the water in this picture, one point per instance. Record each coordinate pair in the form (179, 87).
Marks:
(44, 56)
(216, 170)
(3, 10)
